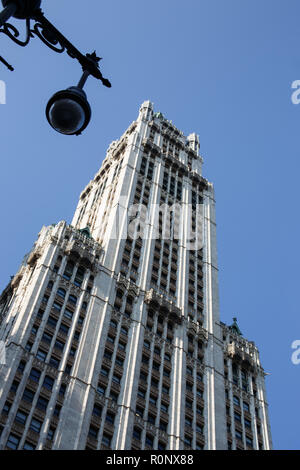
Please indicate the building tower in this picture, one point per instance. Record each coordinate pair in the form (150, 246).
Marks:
(111, 326)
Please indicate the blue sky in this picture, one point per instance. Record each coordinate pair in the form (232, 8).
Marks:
(221, 68)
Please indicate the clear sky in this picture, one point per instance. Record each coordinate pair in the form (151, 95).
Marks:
(221, 68)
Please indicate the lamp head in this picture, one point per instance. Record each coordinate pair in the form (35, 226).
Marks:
(68, 111)
(25, 8)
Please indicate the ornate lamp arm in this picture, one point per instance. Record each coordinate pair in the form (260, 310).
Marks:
(47, 33)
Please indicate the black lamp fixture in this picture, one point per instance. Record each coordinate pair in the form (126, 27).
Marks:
(68, 111)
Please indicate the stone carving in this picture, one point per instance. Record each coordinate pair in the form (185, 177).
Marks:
(163, 304)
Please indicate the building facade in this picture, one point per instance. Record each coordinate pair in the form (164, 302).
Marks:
(111, 326)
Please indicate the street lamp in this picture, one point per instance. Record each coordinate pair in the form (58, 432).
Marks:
(68, 111)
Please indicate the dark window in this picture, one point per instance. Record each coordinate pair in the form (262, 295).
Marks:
(13, 442)
(59, 345)
(51, 433)
(64, 329)
(61, 293)
(36, 425)
(28, 395)
(22, 366)
(41, 355)
(48, 382)
(14, 386)
(97, 410)
(47, 338)
(54, 362)
(42, 403)
(72, 299)
(106, 440)
(62, 390)
(52, 322)
(28, 446)
(93, 432)
(68, 314)
(35, 375)
(56, 411)
(6, 408)
(137, 433)
(110, 418)
(149, 440)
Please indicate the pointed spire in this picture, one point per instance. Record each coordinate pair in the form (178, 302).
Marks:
(235, 328)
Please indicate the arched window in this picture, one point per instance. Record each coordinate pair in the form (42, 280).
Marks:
(79, 276)
(61, 293)
(72, 299)
(69, 270)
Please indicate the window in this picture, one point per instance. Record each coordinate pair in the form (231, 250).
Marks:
(237, 417)
(146, 344)
(238, 435)
(6, 408)
(42, 403)
(188, 404)
(101, 390)
(64, 329)
(97, 411)
(79, 276)
(13, 442)
(141, 393)
(188, 421)
(116, 378)
(93, 432)
(56, 306)
(73, 352)
(69, 270)
(76, 335)
(34, 330)
(56, 411)
(151, 418)
(104, 371)
(106, 440)
(68, 314)
(36, 425)
(161, 446)
(110, 418)
(139, 411)
(121, 346)
(28, 346)
(236, 400)
(28, 446)
(51, 433)
(163, 426)
(165, 389)
(247, 423)
(164, 407)
(246, 407)
(54, 362)
(52, 322)
(187, 440)
(21, 366)
(149, 440)
(35, 375)
(119, 361)
(28, 395)
(59, 345)
(110, 339)
(137, 433)
(153, 400)
(48, 382)
(14, 386)
(113, 324)
(72, 299)
(249, 441)
(41, 355)
(47, 338)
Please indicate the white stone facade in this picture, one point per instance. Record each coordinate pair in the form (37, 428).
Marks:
(115, 342)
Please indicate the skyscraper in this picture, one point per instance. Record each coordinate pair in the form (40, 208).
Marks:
(111, 327)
